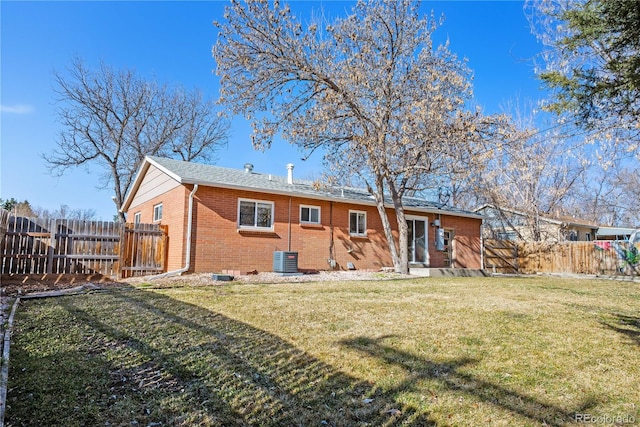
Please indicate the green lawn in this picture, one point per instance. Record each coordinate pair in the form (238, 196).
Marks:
(464, 351)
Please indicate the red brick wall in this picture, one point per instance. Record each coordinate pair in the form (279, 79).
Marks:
(219, 245)
(466, 242)
(174, 214)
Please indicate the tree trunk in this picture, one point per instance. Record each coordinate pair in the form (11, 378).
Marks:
(388, 232)
(403, 236)
(402, 264)
(397, 249)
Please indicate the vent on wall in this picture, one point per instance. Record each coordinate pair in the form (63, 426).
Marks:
(285, 262)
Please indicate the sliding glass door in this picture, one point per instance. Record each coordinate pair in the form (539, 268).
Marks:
(417, 240)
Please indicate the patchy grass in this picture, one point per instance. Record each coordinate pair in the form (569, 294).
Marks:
(464, 351)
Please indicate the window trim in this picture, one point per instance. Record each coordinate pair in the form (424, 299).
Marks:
(256, 227)
(157, 208)
(137, 217)
(356, 234)
(311, 207)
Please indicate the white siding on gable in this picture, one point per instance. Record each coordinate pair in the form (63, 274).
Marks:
(154, 183)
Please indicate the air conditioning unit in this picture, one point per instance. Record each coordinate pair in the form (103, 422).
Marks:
(285, 262)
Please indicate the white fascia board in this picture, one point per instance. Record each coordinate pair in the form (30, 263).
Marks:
(165, 170)
(128, 198)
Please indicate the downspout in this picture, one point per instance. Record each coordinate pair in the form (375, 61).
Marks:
(289, 232)
(187, 261)
(482, 243)
(332, 255)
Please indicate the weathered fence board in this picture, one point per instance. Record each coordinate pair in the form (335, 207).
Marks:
(4, 222)
(599, 257)
(63, 246)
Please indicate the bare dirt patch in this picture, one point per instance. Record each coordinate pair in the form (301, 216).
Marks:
(204, 279)
(14, 285)
(21, 284)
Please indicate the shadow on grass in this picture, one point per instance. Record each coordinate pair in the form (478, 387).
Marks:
(629, 326)
(158, 361)
(451, 375)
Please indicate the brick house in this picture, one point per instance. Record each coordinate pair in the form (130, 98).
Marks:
(237, 219)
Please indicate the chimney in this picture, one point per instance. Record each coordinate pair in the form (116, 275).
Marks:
(248, 167)
(290, 173)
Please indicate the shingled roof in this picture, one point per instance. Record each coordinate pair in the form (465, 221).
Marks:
(216, 176)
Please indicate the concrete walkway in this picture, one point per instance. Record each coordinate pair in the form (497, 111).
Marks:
(447, 272)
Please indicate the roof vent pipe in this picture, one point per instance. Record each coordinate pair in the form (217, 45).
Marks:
(290, 173)
(248, 167)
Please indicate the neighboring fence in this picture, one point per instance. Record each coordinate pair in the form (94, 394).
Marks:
(599, 257)
(57, 246)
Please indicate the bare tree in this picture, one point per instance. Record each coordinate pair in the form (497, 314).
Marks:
(609, 196)
(113, 118)
(65, 212)
(370, 90)
(538, 172)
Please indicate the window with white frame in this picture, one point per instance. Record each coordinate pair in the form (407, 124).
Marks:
(157, 212)
(255, 214)
(137, 217)
(309, 214)
(357, 223)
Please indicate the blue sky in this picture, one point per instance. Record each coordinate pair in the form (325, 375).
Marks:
(171, 42)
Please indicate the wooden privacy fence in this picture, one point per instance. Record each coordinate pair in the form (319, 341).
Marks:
(63, 246)
(599, 257)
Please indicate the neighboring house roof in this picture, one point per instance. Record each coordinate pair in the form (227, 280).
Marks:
(614, 231)
(570, 220)
(601, 231)
(216, 176)
(558, 220)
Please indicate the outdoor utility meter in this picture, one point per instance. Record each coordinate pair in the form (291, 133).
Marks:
(440, 239)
